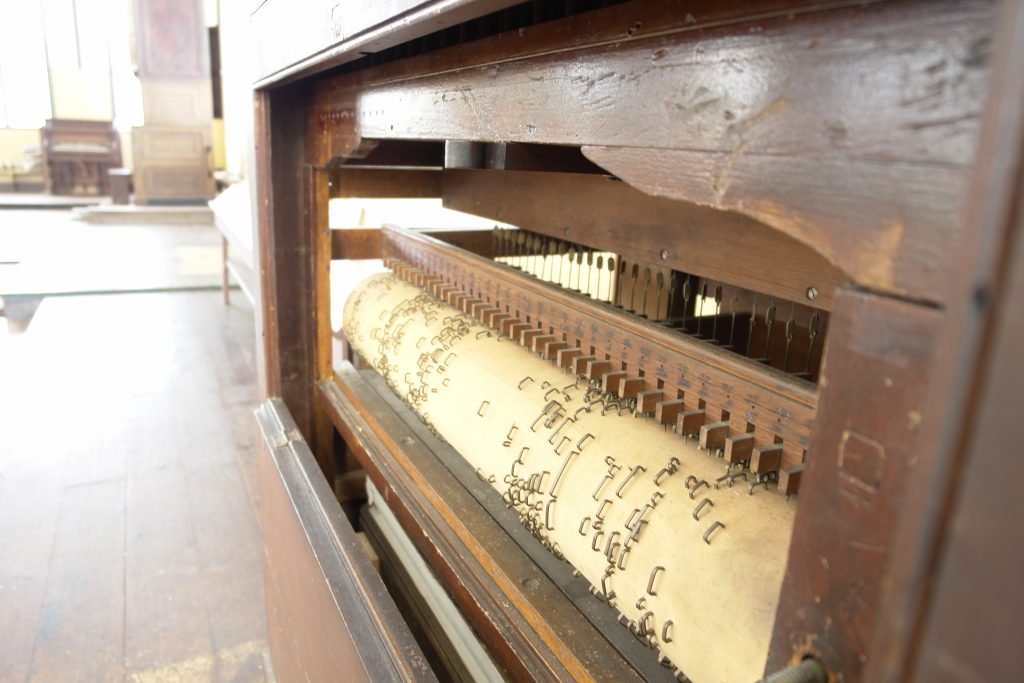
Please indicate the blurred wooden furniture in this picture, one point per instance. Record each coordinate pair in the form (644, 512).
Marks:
(77, 156)
(120, 186)
(171, 152)
(232, 215)
(861, 160)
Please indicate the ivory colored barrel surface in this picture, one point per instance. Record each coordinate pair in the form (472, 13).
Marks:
(614, 495)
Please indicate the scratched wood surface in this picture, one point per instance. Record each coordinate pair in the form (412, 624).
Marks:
(615, 217)
(864, 451)
(130, 546)
(984, 518)
(959, 527)
(851, 129)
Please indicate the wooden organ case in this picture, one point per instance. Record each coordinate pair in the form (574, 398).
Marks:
(782, 237)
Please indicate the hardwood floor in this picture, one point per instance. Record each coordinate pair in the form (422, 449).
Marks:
(48, 253)
(129, 544)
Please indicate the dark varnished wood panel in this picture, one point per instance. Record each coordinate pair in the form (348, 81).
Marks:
(978, 592)
(368, 183)
(480, 242)
(321, 434)
(971, 375)
(772, 84)
(297, 655)
(613, 216)
(356, 244)
(295, 249)
(887, 225)
(877, 103)
(365, 243)
(330, 615)
(864, 449)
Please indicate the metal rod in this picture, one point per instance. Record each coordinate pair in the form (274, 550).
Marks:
(809, 670)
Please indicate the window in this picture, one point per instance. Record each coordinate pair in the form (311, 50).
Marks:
(24, 80)
(125, 86)
(72, 52)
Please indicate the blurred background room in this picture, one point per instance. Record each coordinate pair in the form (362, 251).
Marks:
(131, 550)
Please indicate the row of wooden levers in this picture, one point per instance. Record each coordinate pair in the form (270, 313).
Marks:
(757, 466)
(781, 334)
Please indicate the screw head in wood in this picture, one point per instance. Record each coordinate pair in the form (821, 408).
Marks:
(812, 293)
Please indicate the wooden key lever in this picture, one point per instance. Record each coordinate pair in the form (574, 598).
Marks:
(566, 357)
(487, 315)
(738, 448)
(737, 451)
(612, 382)
(647, 400)
(516, 329)
(597, 368)
(631, 387)
(505, 327)
(665, 412)
(549, 348)
(538, 344)
(527, 336)
(689, 422)
(764, 463)
(579, 364)
(712, 435)
(789, 480)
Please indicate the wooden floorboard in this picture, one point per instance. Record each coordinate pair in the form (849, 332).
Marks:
(81, 623)
(130, 543)
(47, 253)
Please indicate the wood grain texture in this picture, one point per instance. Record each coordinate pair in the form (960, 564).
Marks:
(615, 217)
(365, 243)
(294, 243)
(356, 244)
(977, 591)
(131, 549)
(981, 298)
(332, 617)
(368, 183)
(321, 434)
(757, 123)
(887, 226)
(863, 451)
(267, 345)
